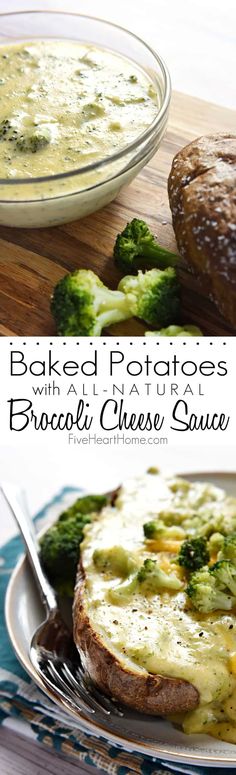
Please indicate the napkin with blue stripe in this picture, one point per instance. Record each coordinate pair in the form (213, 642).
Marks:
(22, 701)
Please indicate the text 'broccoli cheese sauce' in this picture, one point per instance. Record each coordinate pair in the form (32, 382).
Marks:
(160, 633)
(64, 105)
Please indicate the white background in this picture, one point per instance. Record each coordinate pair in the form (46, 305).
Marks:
(197, 40)
(195, 37)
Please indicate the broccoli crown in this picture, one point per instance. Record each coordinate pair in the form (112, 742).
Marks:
(149, 579)
(215, 542)
(224, 571)
(186, 330)
(148, 567)
(208, 591)
(85, 505)
(194, 553)
(115, 560)
(153, 295)
(154, 578)
(82, 305)
(151, 529)
(31, 143)
(228, 547)
(60, 545)
(59, 550)
(122, 592)
(157, 529)
(137, 246)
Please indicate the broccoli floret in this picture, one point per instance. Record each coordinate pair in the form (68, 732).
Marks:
(82, 305)
(153, 295)
(215, 543)
(173, 330)
(122, 592)
(60, 545)
(152, 529)
(85, 505)
(115, 560)
(59, 551)
(224, 571)
(208, 591)
(157, 529)
(136, 247)
(92, 111)
(193, 553)
(228, 548)
(152, 578)
(31, 143)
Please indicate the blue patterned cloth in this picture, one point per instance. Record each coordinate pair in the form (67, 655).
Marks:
(22, 700)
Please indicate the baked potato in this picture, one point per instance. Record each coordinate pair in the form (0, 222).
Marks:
(142, 691)
(149, 647)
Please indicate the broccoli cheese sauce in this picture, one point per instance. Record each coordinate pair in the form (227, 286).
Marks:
(161, 633)
(64, 105)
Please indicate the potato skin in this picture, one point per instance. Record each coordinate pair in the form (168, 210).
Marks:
(151, 694)
(201, 188)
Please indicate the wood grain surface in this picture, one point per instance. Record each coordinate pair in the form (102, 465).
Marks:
(33, 260)
(22, 756)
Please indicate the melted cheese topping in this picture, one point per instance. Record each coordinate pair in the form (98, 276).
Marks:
(161, 634)
(64, 105)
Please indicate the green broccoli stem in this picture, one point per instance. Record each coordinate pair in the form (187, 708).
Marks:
(157, 256)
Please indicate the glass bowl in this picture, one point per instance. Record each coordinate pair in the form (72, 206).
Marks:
(75, 194)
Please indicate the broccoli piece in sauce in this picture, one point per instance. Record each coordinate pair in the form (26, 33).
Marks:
(156, 529)
(228, 548)
(31, 143)
(194, 553)
(214, 588)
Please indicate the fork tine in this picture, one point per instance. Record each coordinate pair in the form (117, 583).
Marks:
(58, 692)
(54, 670)
(110, 705)
(81, 683)
(99, 698)
(53, 674)
(61, 672)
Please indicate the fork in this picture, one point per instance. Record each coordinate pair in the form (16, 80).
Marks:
(52, 651)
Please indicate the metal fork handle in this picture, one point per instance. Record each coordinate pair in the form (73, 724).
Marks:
(26, 527)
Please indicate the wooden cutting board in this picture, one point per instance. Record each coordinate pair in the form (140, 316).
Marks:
(33, 260)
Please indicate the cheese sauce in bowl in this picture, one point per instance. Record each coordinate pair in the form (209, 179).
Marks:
(83, 106)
